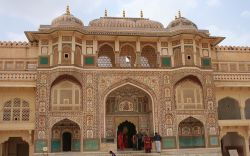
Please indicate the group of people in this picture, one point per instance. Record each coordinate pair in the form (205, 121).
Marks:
(140, 141)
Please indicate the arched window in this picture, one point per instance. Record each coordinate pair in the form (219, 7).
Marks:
(65, 96)
(16, 110)
(189, 95)
(127, 56)
(148, 57)
(106, 57)
(228, 109)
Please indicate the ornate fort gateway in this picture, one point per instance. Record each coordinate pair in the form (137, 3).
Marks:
(72, 88)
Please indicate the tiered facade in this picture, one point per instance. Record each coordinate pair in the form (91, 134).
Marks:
(73, 87)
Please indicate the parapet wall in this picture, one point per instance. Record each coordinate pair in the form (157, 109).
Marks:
(14, 44)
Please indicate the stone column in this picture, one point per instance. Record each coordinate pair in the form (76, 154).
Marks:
(158, 59)
(246, 148)
(73, 49)
(31, 149)
(117, 52)
(194, 53)
(117, 59)
(84, 50)
(1, 149)
(60, 49)
(138, 59)
(138, 53)
(182, 52)
(171, 53)
(51, 52)
(95, 46)
(242, 111)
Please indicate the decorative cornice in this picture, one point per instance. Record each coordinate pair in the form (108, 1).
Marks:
(232, 77)
(233, 48)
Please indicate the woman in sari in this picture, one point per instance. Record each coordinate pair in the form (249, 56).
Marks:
(147, 144)
(120, 141)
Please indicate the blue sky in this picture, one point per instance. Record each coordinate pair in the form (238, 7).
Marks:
(228, 18)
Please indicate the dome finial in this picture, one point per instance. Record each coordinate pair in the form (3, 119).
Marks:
(141, 14)
(67, 10)
(179, 14)
(106, 13)
(123, 13)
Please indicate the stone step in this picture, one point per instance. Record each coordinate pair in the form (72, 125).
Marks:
(174, 152)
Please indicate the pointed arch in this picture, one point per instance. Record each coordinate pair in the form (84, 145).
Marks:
(148, 56)
(106, 55)
(66, 92)
(189, 93)
(191, 133)
(65, 134)
(127, 55)
(247, 108)
(228, 109)
(139, 87)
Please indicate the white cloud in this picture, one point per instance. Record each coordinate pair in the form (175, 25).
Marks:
(44, 11)
(213, 2)
(245, 13)
(233, 38)
(13, 36)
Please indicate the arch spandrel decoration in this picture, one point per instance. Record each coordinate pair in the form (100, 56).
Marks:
(180, 118)
(54, 120)
(70, 74)
(186, 73)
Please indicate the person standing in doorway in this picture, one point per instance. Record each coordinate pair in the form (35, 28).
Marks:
(157, 139)
(134, 141)
(120, 141)
(139, 140)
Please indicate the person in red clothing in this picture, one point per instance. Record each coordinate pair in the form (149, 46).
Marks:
(125, 140)
(147, 144)
(120, 141)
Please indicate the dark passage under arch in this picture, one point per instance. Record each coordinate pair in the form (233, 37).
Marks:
(128, 129)
(66, 137)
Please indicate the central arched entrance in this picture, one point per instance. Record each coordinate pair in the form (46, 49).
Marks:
(65, 136)
(128, 129)
(128, 108)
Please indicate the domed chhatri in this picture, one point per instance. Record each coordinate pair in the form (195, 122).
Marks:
(117, 22)
(181, 23)
(125, 22)
(67, 20)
